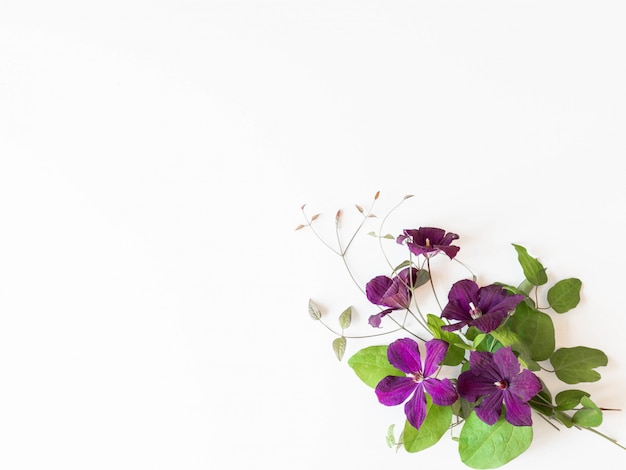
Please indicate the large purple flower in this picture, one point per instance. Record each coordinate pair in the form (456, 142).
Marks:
(394, 293)
(404, 355)
(484, 307)
(496, 377)
(429, 241)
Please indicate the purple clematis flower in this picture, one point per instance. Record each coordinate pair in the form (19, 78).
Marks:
(429, 241)
(404, 355)
(496, 377)
(393, 293)
(485, 307)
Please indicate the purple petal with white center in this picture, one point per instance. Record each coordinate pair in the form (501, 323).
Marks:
(490, 409)
(404, 355)
(464, 292)
(435, 352)
(489, 322)
(415, 408)
(495, 299)
(506, 363)
(471, 386)
(441, 391)
(517, 412)
(393, 390)
(482, 363)
(525, 385)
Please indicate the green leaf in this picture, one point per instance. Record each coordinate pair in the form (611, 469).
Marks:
(542, 402)
(569, 399)
(534, 329)
(314, 311)
(574, 365)
(534, 271)
(371, 365)
(435, 425)
(589, 416)
(345, 318)
(339, 346)
(405, 264)
(423, 276)
(483, 446)
(391, 439)
(455, 353)
(525, 287)
(564, 295)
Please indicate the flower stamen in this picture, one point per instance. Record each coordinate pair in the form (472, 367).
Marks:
(501, 384)
(474, 311)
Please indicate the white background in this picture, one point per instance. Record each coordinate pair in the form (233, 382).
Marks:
(154, 156)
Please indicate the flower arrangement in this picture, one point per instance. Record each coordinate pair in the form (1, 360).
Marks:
(478, 368)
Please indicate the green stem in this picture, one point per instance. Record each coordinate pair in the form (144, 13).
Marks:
(610, 439)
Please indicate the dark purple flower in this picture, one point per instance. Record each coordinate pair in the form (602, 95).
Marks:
(394, 293)
(429, 241)
(496, 377)
(404, 355)
(485, 307)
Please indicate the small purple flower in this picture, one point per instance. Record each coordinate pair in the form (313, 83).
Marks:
(404, 355)
(485, 307)
(429, 241)
(393, 293)
(496, 377)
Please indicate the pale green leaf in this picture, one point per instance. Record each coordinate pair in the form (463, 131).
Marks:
(345, 318)
(314, 311)
(339, 346)
(564, 295)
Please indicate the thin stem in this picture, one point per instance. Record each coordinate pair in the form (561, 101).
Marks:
(432, 284)
(474, 278)
(309, 223)
(610, 439)
(380, 229)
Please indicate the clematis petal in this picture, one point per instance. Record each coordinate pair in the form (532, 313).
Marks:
(448, 238)
(397, 296)
(415, 408)
(489, 321)
(435, 352)
(483, 364)
(441, 391)
(376, 288)
(454, 310)
(375, 320)
(490, 409)
(525, 385)
(450, 251)
(393, 390)
(464, 292)
(471, 386)
(517, 412)
(434, 235)
(490, 296)
(454, 327)
(506, 363)
(404, 354)
(495, 299)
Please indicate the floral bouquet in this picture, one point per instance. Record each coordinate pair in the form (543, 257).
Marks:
(474, 369)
